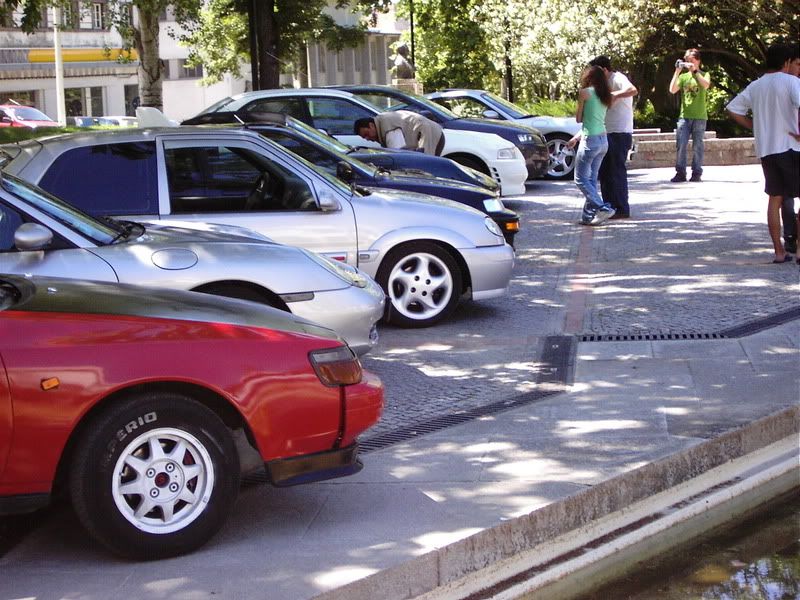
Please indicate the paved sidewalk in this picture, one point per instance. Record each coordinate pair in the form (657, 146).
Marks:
(696, 259)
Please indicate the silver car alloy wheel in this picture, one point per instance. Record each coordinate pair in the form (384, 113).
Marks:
(420, 286)
(163, 480)
(562, 158)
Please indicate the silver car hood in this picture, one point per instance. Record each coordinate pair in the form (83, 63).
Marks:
(179, 232)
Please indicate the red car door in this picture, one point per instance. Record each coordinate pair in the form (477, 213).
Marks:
(5, 417)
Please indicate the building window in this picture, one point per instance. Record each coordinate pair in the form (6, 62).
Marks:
(178, 69)
(339, 61)
(96, 101)
(373, 55)
(357, 57)
(98, 15)
(69, 17)
(320, 58)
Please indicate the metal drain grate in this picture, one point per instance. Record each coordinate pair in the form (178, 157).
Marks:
(732, 332)
(647, 337)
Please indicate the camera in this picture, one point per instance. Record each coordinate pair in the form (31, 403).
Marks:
(682, 64)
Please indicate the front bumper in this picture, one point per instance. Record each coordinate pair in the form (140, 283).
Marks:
(508, 221)
(537, 159)
(352, 312)
(490, 269)
(510, 174)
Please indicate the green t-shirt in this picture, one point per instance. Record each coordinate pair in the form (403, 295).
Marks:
(594, 115)
(693, 97)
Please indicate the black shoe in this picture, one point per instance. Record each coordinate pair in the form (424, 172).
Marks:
(620, 215)
(695, 177)
(679, 178)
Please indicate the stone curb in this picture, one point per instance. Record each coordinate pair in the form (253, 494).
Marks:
(488, 547)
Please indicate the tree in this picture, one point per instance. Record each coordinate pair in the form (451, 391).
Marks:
(137, 21)
(451, 43)
(284, 28)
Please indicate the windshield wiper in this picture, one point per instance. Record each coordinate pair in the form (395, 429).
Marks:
(127, 227)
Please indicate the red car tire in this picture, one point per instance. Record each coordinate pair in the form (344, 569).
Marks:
(154, 476)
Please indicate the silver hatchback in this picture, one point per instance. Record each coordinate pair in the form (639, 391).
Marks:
(425, 252)
(40, 235)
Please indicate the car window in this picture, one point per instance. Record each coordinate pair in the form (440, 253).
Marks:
(313, 154)
(463, 107)
(109, 179)
(218, 178)
(98, 231)
(335, 116)
(285, 106)
(382, 101)
(10, 220)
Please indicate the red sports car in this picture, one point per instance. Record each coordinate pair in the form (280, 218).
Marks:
(147, 407)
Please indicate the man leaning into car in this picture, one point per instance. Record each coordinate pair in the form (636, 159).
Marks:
(402, 129)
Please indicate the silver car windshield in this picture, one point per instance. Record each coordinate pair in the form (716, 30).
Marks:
(97, 231)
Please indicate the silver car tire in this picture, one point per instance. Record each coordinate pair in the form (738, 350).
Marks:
(422, 282)
(154, 476)
(562, 159)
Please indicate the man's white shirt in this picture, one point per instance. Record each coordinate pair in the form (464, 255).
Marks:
(774, 99)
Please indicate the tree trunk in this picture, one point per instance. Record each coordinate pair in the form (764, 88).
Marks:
(150, 67)
(265, 59)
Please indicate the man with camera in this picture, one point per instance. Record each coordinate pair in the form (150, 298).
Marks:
(692, 83)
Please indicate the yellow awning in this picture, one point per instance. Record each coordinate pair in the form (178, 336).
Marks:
(47, 55)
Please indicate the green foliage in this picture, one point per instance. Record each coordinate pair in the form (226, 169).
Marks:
(450, 45)
(551, 108)
(9, 135)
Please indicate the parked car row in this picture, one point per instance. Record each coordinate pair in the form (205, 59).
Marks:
(166, 396)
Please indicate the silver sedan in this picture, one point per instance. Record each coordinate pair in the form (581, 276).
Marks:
(41, 235)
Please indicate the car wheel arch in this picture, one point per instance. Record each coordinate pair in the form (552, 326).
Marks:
(466, 277)
(211, 399)
(470, 160)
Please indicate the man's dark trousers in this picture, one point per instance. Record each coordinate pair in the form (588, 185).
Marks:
(613, 174)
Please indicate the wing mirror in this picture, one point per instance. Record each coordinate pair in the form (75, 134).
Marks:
(491, 114)
(344, 171)
(32, 236)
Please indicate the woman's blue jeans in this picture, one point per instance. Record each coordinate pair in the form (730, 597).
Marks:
(590, 155)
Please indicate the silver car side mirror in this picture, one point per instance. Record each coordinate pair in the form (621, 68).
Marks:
(32, 236)
(491, 114)
(328, 202)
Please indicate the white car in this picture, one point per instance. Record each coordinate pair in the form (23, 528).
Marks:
(556, 130)
(335, 112)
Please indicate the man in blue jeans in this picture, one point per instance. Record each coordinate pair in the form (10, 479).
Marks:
(692, 86)
(613, 174)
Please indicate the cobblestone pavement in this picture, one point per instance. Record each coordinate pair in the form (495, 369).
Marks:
(695, 258)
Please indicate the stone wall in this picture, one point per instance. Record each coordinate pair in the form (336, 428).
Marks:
(658, 150)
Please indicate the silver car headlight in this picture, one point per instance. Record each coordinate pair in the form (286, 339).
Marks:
(493, 205)
(507, 153)
(493, 227)
(342, 270)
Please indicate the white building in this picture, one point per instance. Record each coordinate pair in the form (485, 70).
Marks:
(98, 80)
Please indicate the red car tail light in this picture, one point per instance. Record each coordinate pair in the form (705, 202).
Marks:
(336, 366)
